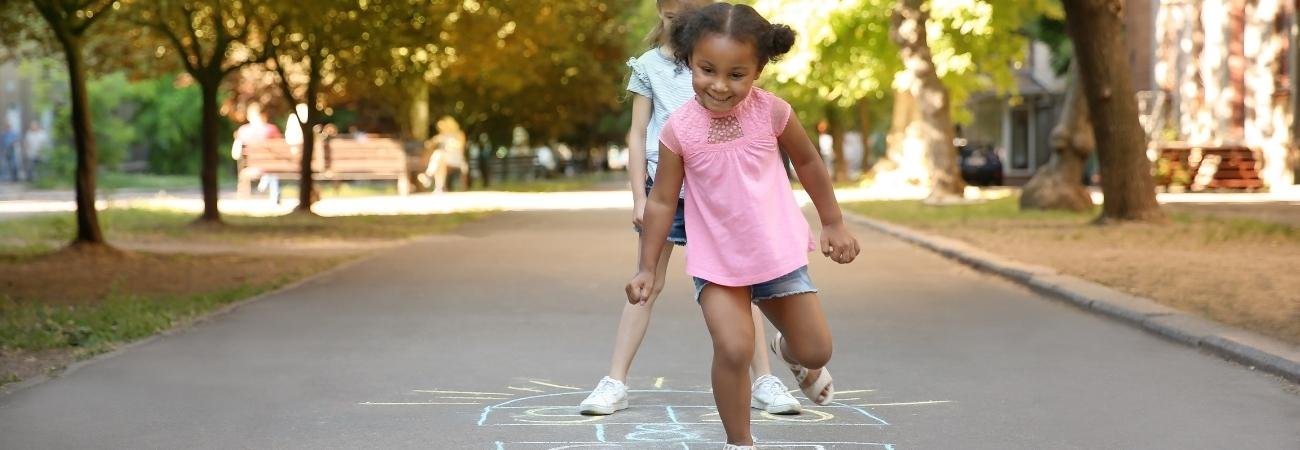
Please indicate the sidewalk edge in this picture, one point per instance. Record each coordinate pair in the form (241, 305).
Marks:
(1251, 349)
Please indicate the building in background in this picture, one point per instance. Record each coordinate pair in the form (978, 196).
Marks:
(1226, 70)
(1018, 128)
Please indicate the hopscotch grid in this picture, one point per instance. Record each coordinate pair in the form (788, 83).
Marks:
(510, 406)
(645, 406)
(793, 423)
(416, 403)
(778, 443)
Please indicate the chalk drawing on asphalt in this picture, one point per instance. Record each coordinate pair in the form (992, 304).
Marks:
(660, 418)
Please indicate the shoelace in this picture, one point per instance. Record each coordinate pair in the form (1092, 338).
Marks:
(606, 390)
(770, 388)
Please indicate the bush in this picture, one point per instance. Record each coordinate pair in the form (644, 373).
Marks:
(160, 117)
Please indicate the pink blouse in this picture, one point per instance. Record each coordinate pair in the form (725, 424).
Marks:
(742, 220)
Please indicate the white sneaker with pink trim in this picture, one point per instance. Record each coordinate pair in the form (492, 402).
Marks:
(609, 396)
(771, 395)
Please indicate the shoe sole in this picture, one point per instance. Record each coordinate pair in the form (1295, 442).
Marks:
(599, 410)
(779, 410)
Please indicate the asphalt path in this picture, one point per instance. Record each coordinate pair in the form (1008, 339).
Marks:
(489, 337)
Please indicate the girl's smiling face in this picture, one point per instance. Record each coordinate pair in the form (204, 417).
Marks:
(723, 71)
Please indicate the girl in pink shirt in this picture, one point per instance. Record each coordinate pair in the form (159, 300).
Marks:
(749, 241)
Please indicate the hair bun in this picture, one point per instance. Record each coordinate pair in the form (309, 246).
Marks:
(780, 39)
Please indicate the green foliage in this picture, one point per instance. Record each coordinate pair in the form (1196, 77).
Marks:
(640, 20)
(844, 52)
(1051, 31)
(553, 67)
(168, 124)
(160, 115)
(110, 112)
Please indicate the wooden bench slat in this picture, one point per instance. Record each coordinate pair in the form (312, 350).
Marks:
(335, 160)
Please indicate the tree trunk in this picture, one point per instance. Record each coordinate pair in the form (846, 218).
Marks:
(210, 160)
(1096, 27)
(306, 184)
(419, 110)
(864, 125)
(88, 231)
(839, 167)
(932, 101)
(1059, 184)
(902, 115)
(484, 158)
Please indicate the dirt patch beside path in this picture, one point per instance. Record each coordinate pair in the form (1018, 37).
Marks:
(1234, 264)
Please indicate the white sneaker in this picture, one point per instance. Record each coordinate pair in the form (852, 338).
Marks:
(770, 395)
(739, 447)
(610, 395)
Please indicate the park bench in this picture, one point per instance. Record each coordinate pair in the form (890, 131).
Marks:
(514, 167)
(1215, 166)
(337, 160)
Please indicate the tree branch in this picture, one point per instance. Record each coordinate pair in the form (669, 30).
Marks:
(222, 39)
(93, 16)
(197, 46)
(57, 21)
(285, 88)
(181, 49)
(242, 32)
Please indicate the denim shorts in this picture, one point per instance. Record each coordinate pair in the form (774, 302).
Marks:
(677, 233)
(793, 283)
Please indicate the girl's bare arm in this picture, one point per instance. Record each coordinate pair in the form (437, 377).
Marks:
(836, 241)
(636, 165)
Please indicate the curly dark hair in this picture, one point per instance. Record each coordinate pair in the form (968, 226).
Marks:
(739, 22)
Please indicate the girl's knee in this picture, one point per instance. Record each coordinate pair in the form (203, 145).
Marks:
(734, 352)
(811, 353)
(818, 358)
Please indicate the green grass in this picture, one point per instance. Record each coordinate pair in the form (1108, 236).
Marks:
(1226, 229)
(1006, 213)
(577, 183)
(97, 327)
(35, 234)
(111, 181)
(87, 327)
(915, 212)
(369, 189)
(344, 190)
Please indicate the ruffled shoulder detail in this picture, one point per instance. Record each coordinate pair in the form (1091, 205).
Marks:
(639, 71)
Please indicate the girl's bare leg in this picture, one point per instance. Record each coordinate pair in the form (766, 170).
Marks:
(634, 322)
(759, 366)
(728, 314)
(803, 325)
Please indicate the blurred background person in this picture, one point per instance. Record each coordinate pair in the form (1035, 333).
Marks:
(448, 157)
(257, 129)
(35, 140)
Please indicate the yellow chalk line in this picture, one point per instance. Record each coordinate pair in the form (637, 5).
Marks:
(554, 385)
(932, 402)
(428, 391)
